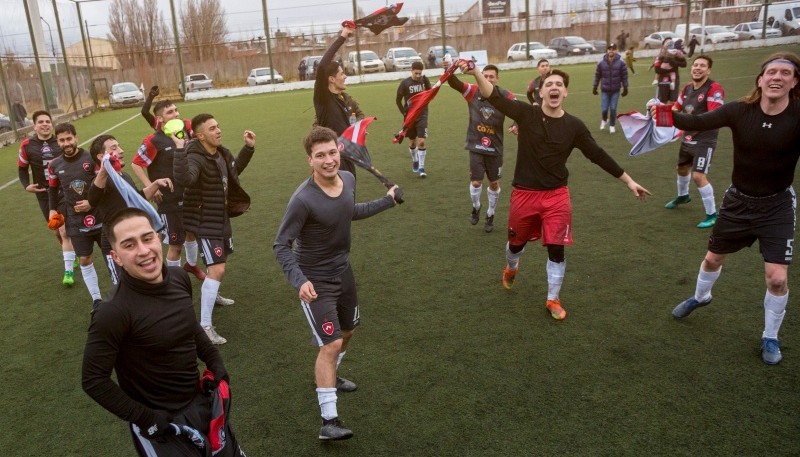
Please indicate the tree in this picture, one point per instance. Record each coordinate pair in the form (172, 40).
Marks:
(138, 31)
(203, 28)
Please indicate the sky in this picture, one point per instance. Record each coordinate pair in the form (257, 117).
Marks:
(244, 17)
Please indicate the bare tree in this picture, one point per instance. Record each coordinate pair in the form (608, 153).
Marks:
(203, 28)
(138, 31)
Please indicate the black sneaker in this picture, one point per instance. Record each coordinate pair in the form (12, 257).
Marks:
(344, 385)
(489, 225)
(334, 430)
(476, 215)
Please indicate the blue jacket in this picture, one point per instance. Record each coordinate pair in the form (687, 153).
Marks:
(614, 74)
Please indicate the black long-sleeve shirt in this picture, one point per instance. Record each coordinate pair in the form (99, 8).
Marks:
(149, 335)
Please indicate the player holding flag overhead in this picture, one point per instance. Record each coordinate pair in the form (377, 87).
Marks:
(415, 84)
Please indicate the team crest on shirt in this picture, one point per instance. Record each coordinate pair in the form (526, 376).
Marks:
(701, 97)
(717, 97)
(88, 167)
(688, 109)
(218, 251)
(327, 327)
(486, 112)
(78, 186)
(486, 141)
(89, 221)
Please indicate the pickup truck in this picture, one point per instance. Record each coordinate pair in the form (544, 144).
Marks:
(194, 82)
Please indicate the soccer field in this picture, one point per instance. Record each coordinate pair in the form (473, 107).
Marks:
(448, 363)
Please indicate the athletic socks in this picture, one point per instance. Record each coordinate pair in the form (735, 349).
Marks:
(414, 155)
(191, 252)
(707, 194)
(494, 196)
(208, 295)
(326, 396)
(339, 359)
(683, 184)
(112, 269)
(173, 263)
(513, 259)
(475, 194)
(90, 279)
(421, 155)
(774, 311)
(69, 260)
(705, 281)
(555, 276)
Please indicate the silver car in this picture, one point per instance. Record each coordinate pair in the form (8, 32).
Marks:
(654, 40)
(400, 58)
(752, 31)
(125, 94)
(536, 51)
(261, 75)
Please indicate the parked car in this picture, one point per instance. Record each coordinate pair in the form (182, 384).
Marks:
(401, 58)
(714, 34)
(261, 75)
(125, 94)
(752, 31)
(654, 40)
(195, 82)
(5, 123)
(310, 61)
(536, 51)
(599, 45)
(570, 46)
(370, 63)
(437, 52)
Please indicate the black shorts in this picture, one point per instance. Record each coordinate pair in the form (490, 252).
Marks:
(44, 206)
(419, 130)
(215, 250)
(743, 220)
(334, 310)
(485, 164)
(174, 232)
(83, 244)
(699, 155)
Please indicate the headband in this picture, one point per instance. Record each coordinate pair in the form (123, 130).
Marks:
(780, 60)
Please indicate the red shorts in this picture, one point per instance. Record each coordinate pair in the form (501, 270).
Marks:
(545, 214)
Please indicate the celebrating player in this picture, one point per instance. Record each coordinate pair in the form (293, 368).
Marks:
(409, 87)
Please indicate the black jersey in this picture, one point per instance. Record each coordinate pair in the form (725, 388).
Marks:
(156, 154)
(73, 176)
(765, 148)
(485, 129)
(409, 88)
(36, 154)
(108, 200)
(707, 97)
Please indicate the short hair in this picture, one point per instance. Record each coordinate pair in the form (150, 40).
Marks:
(98, 146)
(65, 127)
(199, 120)
(329, 69)
(119, 216)
(706, 58)
(557, 72)
(317, 135)
(491, 67)
(40, 112)
(541, 61)
(161, 105)
(415, 65)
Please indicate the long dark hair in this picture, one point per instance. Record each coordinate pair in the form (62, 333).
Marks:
(755, 95)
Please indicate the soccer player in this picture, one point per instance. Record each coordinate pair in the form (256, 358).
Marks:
(312, 246)
(543, 67)
(700, 96)
(409, 87)
(148, 334)
(611, 74)
(484, 143)
(209, 174)
(540, 202)
(760, 203)
(36, 152)
(71, 174)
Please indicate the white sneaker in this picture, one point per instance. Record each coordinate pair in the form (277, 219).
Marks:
(612, 129)
(212, 334)
(602, 125)
(220, 300)
(655, 82)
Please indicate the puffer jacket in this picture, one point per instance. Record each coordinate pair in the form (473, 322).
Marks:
(209, 203)
(614, 74)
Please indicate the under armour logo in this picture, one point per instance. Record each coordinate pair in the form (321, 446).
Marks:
(766, 126)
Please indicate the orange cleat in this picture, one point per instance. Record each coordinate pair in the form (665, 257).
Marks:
(554, 306)
(508, 277)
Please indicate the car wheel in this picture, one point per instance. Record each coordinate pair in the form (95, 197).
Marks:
(510, 59)
(752, 37)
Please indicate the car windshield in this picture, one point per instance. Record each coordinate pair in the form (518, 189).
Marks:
(368, 55)
(576, 40)
(262, 72)
(404, 53)
(716, 29)
(535, 45)
(125, 87)
(754, 25)
(197, 77)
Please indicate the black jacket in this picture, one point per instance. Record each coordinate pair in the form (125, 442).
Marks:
(208, 200)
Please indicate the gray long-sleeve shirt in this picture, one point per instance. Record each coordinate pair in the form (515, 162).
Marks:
(313, 240)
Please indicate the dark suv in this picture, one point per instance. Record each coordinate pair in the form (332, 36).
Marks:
(571, 46)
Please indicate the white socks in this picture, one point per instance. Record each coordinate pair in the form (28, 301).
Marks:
(339, 359)
(774, 311)
(421, 155)
(90, 279)
(707, 194)
(326, 396)
(494, 195)
(191, 252)
(69, 260)
(173, 263)
(705, 281)
(513, 259)
(555, 276)
(683, 184)
(475, 193)
(413, 152)
(208, 295)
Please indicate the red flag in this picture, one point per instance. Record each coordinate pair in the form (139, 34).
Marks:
(380, 20)
(419, 101)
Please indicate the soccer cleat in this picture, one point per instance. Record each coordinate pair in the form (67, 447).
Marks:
(655, 82)
(489, 225)
(69, 278)
(422, 173)
(476, 215)
(212, 334)
(195, 270)
(612, 129)
(602, 125)
(771, 351)
(508, 277)
(415, 166)
(555, 309)
(222, 301)
(679, 200)
(708, 222)
(334, 429)
(344, 385)
(76, 263)
(687, 306)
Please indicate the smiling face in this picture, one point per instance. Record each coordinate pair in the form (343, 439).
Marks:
(68, 143)
(112, 147)
(209, 134)
(553, 91)
(137, 249)
(324, 160)
(778, 79)
(43, 126)
(701, 70)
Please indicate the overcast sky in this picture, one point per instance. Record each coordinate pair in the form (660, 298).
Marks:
(244, 17)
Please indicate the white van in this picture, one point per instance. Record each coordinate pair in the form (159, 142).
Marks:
(680, 30)
(787, 14)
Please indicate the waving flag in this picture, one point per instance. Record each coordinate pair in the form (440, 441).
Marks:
(131, 196)
(418, 102)
(353, 145)
(380, 20)
(641, 131)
